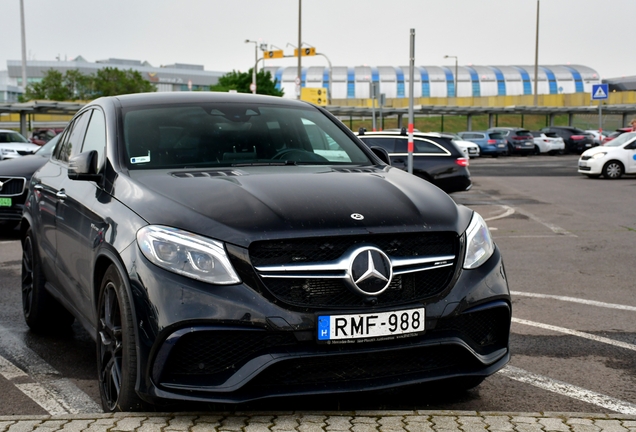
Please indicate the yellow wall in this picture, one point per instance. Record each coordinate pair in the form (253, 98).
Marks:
(560, 100)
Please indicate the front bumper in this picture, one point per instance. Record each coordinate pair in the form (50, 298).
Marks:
(591, 166)
(234, 344)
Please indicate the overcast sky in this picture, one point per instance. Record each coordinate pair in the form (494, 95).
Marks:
(594, 33)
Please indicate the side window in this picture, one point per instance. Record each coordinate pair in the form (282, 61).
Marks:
(425, 146)
(73, 138)
(96, 136)
(387, 144)
(62, 142)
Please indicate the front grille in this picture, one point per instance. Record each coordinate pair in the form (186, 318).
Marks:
(355, 367)
(308, 250)
(325, 292)
(12, 186)
(332, 293)
(485, 330)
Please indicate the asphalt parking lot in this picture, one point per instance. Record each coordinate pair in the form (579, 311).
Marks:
(566, 242)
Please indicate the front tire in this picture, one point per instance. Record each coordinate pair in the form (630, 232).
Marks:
(613, 170)
(42, 313)
(116, 346)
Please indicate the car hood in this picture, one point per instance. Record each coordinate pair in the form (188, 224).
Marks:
(243, 205)
(20, 146)
(23, 166)
(599, 149)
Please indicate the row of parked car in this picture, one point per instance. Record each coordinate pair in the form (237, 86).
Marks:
(552, 140)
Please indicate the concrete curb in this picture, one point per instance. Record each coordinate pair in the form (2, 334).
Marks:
(325, 421)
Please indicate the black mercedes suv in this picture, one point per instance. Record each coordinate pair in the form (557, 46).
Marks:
(226, 248)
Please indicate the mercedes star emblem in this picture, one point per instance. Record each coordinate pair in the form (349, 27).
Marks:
(370, 271)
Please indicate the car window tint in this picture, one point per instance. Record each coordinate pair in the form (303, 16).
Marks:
(426, 146)
(496, 135)
(228, 134)
(96, 136)
(74, 138)
(387, 144)
(523, 133)
(7, 137)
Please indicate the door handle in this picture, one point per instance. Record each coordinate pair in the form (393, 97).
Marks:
(38, 187)
(61, 195)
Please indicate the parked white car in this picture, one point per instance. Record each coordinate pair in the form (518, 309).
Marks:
(611, 160)
(470, 149)
(598, 136)
(14, 145)
(547, 142)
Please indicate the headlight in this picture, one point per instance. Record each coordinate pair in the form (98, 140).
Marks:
(187, 254)
(479, 244)
(598, 155)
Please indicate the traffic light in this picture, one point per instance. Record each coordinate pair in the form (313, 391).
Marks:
(316, 96)
(273, 54)
(311, 51)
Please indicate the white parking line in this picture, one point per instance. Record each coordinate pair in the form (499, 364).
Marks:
(508, 211)
(575, 300)
(55, 394)
(569, 390)
(577, 333)
(554, 228)
(34, 391)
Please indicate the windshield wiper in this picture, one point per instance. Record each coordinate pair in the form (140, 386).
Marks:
(281, 163)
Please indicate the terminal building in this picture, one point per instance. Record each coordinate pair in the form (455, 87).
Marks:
(439, 81)
(167, 78)
(341, 81)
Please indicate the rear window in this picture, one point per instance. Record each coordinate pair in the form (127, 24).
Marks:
(387, 144)
(496, 135)
(524, 133)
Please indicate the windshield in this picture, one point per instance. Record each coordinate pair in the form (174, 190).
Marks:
(47, 148)
(234, 134)
(10, 137)
(621, 139)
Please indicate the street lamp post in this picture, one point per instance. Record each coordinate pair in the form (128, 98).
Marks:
(536, 60)
(23, 33)
(255, 61)
(456, 77)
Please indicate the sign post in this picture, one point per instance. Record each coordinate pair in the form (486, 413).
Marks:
(600, 92)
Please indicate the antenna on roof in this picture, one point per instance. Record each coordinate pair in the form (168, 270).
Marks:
(361, 131)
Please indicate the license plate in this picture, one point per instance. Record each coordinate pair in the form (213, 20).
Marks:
(371, 325)
(501, 145)
(5, 202)
(582, 164)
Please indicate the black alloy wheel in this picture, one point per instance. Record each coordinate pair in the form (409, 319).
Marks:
(613, 170)
(116, 353)
(42, 312)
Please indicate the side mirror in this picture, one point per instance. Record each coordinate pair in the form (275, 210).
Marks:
(382, 154)
(84, 166)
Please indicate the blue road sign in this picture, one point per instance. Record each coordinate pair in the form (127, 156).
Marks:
(600, 91)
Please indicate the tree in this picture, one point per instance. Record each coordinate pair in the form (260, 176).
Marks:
(241, 81)
(52, 87)
(74, 85)
(112, 82)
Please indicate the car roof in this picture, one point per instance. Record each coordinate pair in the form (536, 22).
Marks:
(399, 133)
(137, 99)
